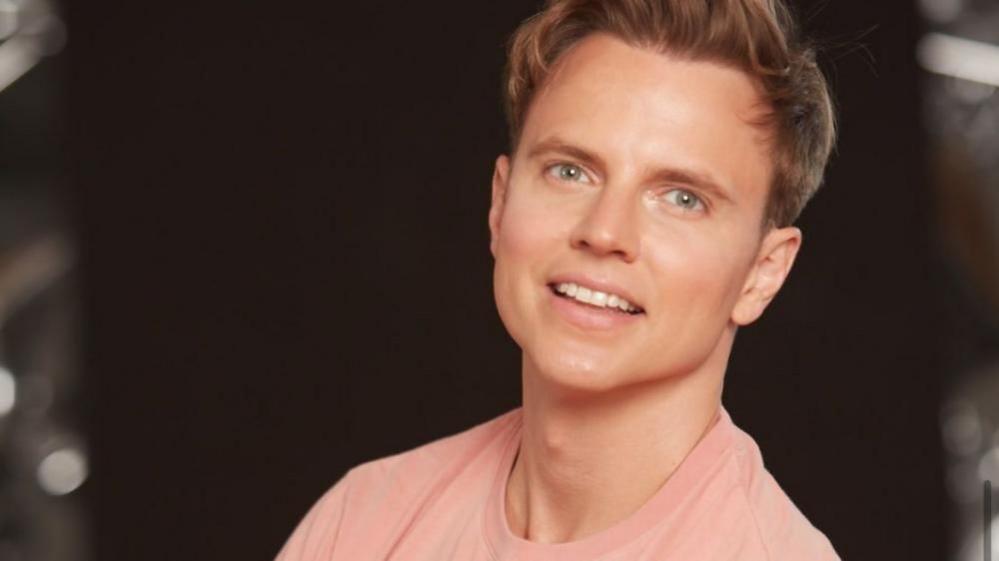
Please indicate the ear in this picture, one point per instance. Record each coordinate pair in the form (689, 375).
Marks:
(501, 176)
(773, 263)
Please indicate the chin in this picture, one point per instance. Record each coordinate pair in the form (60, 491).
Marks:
(576, 372)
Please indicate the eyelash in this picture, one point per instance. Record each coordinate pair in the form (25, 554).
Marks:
(552, 170)
(700, 205)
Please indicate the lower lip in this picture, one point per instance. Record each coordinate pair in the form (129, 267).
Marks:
(590, 317)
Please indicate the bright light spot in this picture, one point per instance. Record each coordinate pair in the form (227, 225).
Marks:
(988, 467)
(8, 391)
(9, 12)
(961, 58)
(62, 471)
(974, 546)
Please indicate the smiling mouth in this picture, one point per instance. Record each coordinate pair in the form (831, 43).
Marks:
(595, 298)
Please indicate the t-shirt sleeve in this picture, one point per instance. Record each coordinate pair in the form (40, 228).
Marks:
(315, 537)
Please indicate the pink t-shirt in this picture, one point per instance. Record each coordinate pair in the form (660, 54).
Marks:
(445, 501)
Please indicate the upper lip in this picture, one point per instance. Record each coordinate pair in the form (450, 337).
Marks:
(596, 283)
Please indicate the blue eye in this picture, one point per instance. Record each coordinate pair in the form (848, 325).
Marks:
(568, 172)
(685, 200)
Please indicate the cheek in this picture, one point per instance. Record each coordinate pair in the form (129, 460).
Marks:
(533, 230)
(527, 224)
(701, 277)
(698, 284)
(528, 238)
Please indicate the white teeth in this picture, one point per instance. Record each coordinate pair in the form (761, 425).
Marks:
(599, 299)
(594, 297)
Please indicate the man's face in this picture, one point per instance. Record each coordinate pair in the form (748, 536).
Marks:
(638, 176)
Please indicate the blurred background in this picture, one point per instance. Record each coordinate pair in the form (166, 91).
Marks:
(243, 248)
(44, 449)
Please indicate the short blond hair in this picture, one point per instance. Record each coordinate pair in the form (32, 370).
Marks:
(759, 37)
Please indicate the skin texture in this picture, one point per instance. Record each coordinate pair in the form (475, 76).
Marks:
(609, 183)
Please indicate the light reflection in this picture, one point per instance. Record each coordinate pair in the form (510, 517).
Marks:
(8, 391)
(960, 58)
(62, 471)
(29, 31)
(988, 466)
(974, 549)
(9, 20)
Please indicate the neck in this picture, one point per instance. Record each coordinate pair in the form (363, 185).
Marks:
(586, 463)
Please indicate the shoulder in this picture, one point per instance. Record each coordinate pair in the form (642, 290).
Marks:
(371, 506)
(785, 532)
(440, 455)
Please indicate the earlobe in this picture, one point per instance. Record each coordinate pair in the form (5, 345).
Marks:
(501, 175)
(773, 264)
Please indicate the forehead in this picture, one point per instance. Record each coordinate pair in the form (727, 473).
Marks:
(639, 108)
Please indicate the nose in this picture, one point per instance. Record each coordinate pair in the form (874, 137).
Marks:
(608, 227)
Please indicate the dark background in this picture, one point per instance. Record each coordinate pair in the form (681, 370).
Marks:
(281, 211)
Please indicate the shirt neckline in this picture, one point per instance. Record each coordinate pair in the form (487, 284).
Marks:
(503, 544)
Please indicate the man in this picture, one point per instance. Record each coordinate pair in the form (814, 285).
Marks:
(660, 151)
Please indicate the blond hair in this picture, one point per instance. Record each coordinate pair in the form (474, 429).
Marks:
(758, 37)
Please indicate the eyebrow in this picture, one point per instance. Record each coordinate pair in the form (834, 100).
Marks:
(696, 179)
(559, 146)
